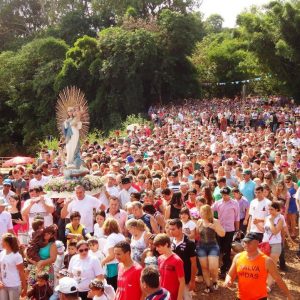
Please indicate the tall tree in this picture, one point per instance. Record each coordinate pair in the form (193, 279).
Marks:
(273, 36)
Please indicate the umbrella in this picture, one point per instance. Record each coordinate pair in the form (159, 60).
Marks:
(18, 160)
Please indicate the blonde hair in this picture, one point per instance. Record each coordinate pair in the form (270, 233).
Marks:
(139, 224)
(205, 210)
(110, 225)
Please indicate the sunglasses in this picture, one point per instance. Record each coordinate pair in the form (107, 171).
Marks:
(83, 250)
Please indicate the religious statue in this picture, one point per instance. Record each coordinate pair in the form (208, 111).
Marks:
(73, 122)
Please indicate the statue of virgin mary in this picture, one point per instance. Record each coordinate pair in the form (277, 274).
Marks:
(71, 130)
(73, 121)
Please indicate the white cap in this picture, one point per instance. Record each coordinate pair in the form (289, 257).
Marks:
(67, 285)
(111, 175)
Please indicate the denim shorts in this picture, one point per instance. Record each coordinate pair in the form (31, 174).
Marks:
(204, 250)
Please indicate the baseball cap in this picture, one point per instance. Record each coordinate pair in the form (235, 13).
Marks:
(6, 182)
(251, 236)
(247, 172)
(67, 285)
(225, 190)
(130, 159)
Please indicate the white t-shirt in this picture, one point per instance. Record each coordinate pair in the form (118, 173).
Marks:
(268, 236)
(98, 254)
(85, 207)
(98, 231)
(5, 224)
(111, 241)
(84, 270)
(38, 209)
(33, 183)
(258, 210)
(109, 291)
(113, 191)
(103, 297)
(6, 198)
(8, 268)
(124, 196)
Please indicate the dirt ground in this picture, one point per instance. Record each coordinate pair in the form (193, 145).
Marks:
(291, 278)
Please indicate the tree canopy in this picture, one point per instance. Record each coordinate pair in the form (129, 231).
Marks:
(126, 55)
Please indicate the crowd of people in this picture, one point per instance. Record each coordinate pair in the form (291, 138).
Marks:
(206, 183)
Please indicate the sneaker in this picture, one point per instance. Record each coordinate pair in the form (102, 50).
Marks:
(215, 286)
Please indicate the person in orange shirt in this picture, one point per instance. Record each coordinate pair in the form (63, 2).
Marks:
(252, 267)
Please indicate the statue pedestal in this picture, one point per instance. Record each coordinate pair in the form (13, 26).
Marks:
(73, 173)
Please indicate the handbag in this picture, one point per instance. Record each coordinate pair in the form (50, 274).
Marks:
(265, 247)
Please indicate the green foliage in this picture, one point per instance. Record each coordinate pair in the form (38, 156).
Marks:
(26, 81)
(213, 24)
(135, 119)
(128, 54)
(51, 143)
(273, 37)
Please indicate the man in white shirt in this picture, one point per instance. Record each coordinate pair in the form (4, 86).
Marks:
(6, 192)
(258, 212)
(38, 205)
(111, 190)
(5, 221)
(84, 204)
(127, 189)
(38, 180)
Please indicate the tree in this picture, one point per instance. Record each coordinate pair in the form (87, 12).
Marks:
(213, 24)
(26, 81)
(223, 57)
(19, 19)
(273, 36)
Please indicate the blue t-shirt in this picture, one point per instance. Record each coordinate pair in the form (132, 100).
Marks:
(247, 189)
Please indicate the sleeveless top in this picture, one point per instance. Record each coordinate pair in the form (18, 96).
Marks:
(44, 252)
(174, 212)
(207, 235)
(137, 248)
(292, 209)
(252, 273)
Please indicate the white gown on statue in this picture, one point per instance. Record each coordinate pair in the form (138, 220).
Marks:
(72, 142)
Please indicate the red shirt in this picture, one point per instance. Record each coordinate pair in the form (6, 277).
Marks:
(129, 283)
(190, 204)
(171, 269)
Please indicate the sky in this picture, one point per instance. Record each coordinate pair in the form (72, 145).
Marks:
(228, 9)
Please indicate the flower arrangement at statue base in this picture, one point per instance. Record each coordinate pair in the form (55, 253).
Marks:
(61, 187)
